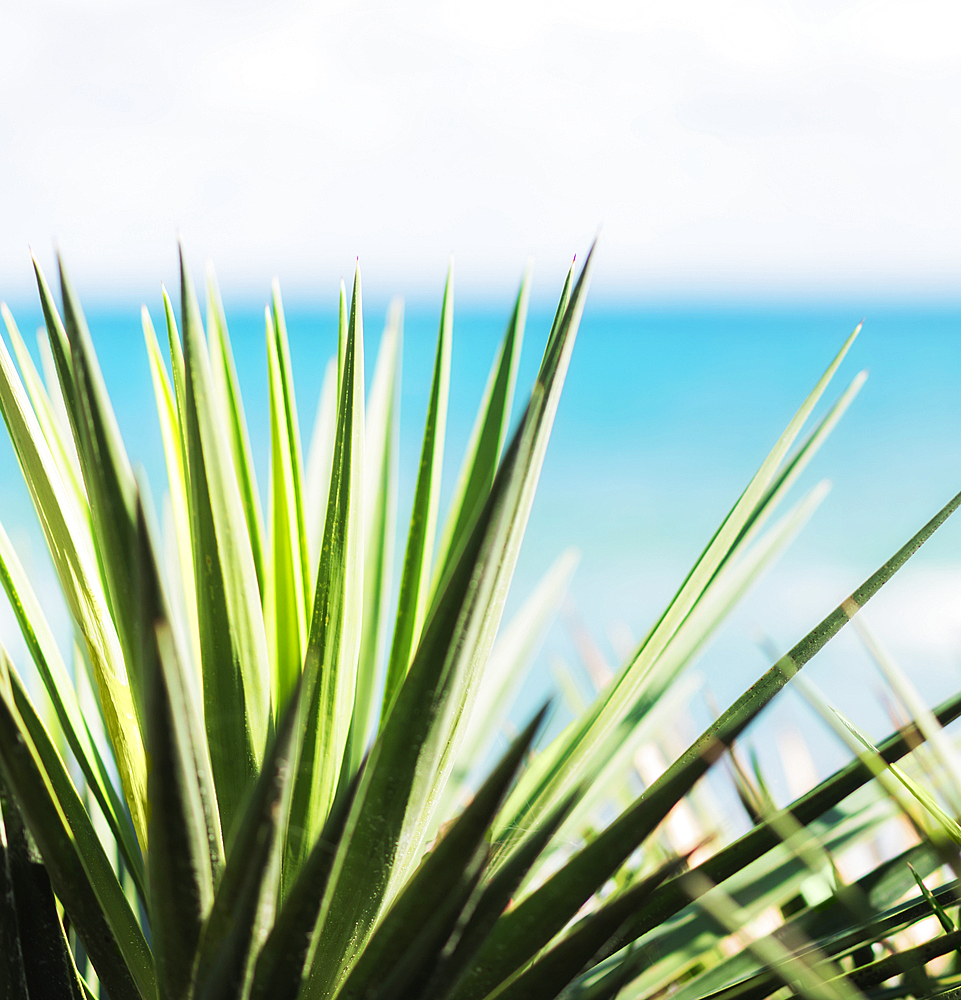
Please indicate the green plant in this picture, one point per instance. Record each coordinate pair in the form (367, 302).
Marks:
(275, 804)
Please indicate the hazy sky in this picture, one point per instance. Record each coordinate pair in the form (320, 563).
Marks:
(751, 146)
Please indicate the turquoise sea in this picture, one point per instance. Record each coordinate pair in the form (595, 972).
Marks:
(667, 412)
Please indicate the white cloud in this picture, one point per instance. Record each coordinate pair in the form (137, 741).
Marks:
(751, 145)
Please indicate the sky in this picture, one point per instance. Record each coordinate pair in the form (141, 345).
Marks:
(755, 148)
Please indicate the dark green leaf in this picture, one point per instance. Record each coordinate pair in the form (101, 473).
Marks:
(185, 851)
(244, 907)
(282, 960)
(525, 930)
(47, 963)
(53, 672)
(493, 900)
(878, 890)
(423, 916)
(92, 898)
(13, 977)
(673, 897)
(855, 936)
(557, 967)
(53, 419)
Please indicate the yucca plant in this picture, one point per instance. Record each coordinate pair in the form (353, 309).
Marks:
(242, 789)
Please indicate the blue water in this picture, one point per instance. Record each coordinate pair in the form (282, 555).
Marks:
(666, 414)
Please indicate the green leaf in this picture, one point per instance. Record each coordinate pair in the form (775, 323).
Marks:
(909, 958)
(56, 434)
(410, 760)
(342, 333)
(512, 653)
(286, 595)
(52, 385)
(415, 577)
(381, 446)
(283, 958)
(392, 785)
(557, 967)
(79, 871)
(319, 461)
(570, 757)
(946, 823)
(942, 748)
(660, 689)
(688, 941)
(33, 951)
(181, 875)
(118, 909)
(244, 908)
(173, 444)
(67, 531)
(732, 859)
(494, 898)
(331, 660)
(185, 849)
(488, 434)
(530, 926)
(853, 936)
(407, 945)
(796, 464)
(563, 329)
(806, 970)
(53, 672)
(943, 919)
(107, 474)
(232, 640)
(178, 368)
(224, 374)
(292, 429)
(500, 561)
(879, 889)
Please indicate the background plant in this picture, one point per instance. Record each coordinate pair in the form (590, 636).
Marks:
(251, 786)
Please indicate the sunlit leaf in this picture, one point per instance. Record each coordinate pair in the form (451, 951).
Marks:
(233, 644)
(334, 639)
(419, 554)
